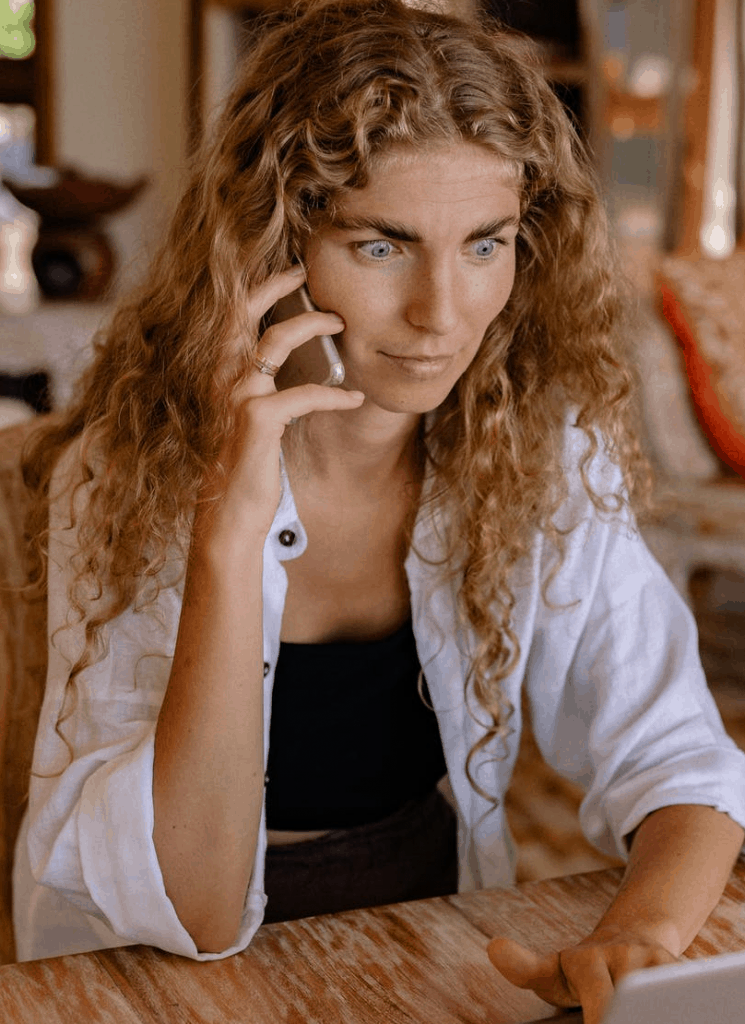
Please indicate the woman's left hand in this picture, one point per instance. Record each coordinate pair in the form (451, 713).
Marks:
(582, 975)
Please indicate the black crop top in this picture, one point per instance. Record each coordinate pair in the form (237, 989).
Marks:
(350, 739)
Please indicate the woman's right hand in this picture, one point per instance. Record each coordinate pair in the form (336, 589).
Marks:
(248, 502)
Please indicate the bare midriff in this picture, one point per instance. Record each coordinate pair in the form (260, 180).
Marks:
(279, 837)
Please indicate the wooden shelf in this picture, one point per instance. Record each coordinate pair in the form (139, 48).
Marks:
(17, 80)
(627, 115)
(29, 81)
(567, 72)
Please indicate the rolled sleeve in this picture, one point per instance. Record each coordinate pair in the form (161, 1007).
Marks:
(712, 777)
(656, 738)
(619, 698)
(90, 836)
(89, 830)
(99, 855)
(119, 862)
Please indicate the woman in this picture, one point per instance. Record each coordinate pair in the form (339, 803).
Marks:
(247, 586)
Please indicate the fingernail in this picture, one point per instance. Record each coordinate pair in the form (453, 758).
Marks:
(298, 269)
(338, 319)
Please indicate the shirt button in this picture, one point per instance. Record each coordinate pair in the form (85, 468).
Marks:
(287, 538)
(266, 669)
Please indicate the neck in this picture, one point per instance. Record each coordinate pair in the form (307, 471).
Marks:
(366, 446)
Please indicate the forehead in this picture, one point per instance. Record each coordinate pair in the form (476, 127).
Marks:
(460, 179)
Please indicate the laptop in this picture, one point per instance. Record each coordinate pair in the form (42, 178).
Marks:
(710, 990)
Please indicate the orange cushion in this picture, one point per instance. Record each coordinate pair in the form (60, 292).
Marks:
(710, 405)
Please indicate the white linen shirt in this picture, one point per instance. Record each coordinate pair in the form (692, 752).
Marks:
(610, 667)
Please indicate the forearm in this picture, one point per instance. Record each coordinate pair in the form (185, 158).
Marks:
(209, 752)
(680, 860)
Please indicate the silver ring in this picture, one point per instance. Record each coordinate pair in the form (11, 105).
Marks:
(265, 366)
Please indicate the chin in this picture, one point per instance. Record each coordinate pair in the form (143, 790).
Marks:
(410, 403)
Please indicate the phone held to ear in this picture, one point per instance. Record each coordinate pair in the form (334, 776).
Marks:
(315, 362)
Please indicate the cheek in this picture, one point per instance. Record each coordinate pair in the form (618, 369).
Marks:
(504, 287)
(495, 300)
(362, 303)
(325, 275)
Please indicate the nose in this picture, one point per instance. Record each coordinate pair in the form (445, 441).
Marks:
(433, 302)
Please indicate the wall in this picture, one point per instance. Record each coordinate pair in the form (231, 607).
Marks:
(221, 28)
(120, 100)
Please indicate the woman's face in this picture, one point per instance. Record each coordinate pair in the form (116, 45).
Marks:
(418, 263)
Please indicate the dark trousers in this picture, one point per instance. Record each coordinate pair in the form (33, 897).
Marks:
(410, 855)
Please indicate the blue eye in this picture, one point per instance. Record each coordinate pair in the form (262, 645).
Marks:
(485, 247)
(378, 250)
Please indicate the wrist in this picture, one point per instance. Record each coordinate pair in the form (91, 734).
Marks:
(226, 556)
(224, 540)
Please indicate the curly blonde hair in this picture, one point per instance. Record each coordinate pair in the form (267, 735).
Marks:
(328, 87)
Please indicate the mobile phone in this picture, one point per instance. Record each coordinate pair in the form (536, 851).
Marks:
(316, 361)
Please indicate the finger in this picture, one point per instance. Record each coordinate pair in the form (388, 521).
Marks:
(526, 969)
(616, 964)
(589, 976)
(259, 301)
(280, 339)
(276, 345)
(283, 406)
(263, 296)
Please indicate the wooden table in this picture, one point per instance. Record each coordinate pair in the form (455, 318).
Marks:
(409, 963)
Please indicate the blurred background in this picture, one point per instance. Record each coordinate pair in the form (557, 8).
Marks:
(101, 103)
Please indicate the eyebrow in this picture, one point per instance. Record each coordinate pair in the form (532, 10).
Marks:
(493, 227)
(403, 233)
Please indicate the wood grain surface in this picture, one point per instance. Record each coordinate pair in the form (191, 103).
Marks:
(410, 963)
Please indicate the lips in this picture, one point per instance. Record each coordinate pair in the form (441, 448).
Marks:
(419, 367)
(419, 357)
